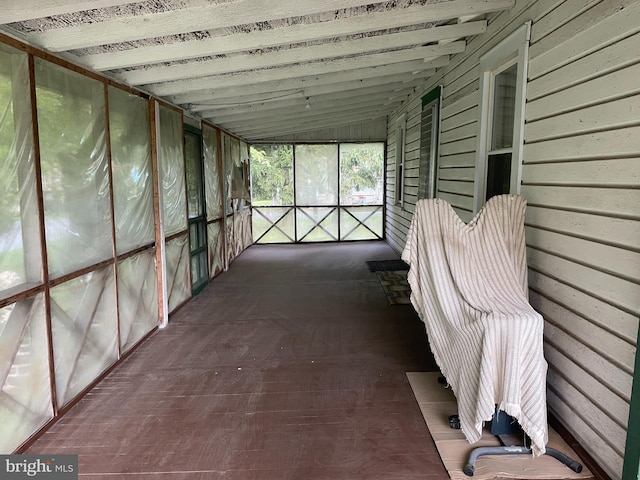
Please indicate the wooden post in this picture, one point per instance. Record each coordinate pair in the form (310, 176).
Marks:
(161, 263)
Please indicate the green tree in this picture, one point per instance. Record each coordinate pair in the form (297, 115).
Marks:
(361, 170)
(271, 175)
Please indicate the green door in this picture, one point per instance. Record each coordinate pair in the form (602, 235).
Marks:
(197, 219)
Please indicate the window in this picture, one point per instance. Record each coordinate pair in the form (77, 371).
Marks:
(429, 135)
(317, 192)
(401, 126)
(502, 88)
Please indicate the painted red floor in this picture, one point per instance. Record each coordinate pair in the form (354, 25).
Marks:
(291, 365)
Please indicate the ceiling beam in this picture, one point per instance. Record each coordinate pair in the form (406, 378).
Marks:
(306, 123)
(370, 96)
(318, 68)
(309, 125)
(406, 41)
(19, 11)
(257, 138)
(292, 34)
(174, 22)
(318, 113)
(233, 100)
(253, 108)
(226, 92)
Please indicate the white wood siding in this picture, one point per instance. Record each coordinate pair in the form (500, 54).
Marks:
(581, 179)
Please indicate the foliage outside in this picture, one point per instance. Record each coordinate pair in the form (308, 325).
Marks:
(326, 176)
(271, 175)
(361, 174)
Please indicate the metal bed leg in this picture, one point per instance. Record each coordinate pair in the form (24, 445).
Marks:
(470, 467)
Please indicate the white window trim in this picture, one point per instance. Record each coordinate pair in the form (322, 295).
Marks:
(401, 133)
(434, 152)
(513, 49)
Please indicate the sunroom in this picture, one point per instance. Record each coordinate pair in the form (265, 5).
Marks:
(146, 145)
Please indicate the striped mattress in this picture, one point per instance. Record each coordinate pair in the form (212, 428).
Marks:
(469, 287)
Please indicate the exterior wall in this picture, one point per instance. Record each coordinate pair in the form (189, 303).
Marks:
(581, 173)
(373, 130)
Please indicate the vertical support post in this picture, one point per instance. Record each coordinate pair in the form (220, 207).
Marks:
(107, 128)
(42, 234)
(186, 203)
(223, 199)
(29, 219)
(161, 263)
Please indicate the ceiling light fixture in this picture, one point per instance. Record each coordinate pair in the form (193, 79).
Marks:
(308, 105)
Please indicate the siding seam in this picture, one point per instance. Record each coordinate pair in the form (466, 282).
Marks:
(580, 289)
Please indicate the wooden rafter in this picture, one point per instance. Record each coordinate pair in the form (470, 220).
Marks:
(295, 56)
(337, 67)
(30, 9)
(293, 34)
(222, 92)
(299, 99)
(175, 22)
(249, 66)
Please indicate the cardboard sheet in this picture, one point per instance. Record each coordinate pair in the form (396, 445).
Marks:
(438, 402)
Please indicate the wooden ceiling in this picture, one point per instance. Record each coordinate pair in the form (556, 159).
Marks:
(259, 68)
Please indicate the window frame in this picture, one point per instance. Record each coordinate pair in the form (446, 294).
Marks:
(432, 101)
(401, 135)
(512, 50)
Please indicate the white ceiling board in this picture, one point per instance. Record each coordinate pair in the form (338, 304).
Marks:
(204, 17)
(249, 64)
(312, 124)
(307, 119)
(352, 131)
(385, 91)
(318, 68)
(388, 83)
(316, 104)
(298, 33)
(21, 10)
(363, 46)
(223, 87)
(300, 114)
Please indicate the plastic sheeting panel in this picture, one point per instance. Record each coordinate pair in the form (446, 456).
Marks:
(247, 234)
(84, 328)
(316, 174)
(178, 279)
(195, 187)
(25, 398)
(131, 166)
(20, 256)
(211, 172)
(231, 239)
(216, 243)
(238, 233)
(75, 174)
(317, 224)
(137, 297)
(227, 173)
(361, 223)
(240, 180)
(232, 164)
(172, 174)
